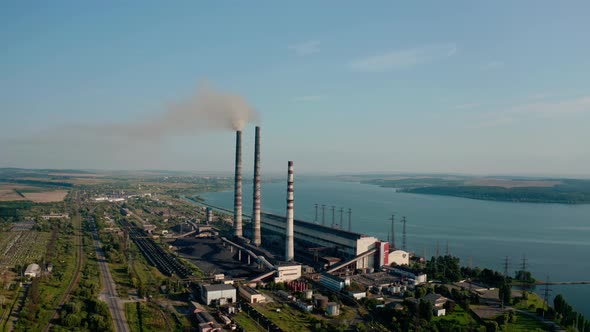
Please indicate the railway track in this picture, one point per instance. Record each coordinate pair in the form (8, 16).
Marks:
(156, 256)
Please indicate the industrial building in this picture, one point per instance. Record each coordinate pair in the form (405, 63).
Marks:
(308, 235)
(218, 294)
(288, 272)
(333, 283)
(251, 295)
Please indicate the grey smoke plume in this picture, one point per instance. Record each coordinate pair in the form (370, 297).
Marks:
(207, 109)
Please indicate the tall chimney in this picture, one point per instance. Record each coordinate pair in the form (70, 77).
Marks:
(256, 199)
(238, 186)
(209, 216)
(289, 248)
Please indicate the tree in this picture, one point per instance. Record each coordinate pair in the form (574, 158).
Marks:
(505, 293)
(425, 309)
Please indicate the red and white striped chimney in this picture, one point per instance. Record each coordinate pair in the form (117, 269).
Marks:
(256, 238)
(238, 187)
(289, 246)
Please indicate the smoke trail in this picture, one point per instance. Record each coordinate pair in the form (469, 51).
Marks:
(207, 109)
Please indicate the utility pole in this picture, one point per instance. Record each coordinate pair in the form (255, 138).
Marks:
(333, 216)
(324, 214)
(437, 248)
(392, 230)
(341, 218)
(404, 247)
(316, 213)
(349, 219)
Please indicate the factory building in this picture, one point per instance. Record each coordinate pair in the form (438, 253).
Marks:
(333, 283)
(251, 295)
(218, 294)
(288, 272)
(399, 257)
(310, 235)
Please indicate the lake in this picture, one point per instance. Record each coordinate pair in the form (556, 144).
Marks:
(554, 238)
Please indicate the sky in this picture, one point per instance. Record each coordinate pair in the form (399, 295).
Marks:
(494, 87)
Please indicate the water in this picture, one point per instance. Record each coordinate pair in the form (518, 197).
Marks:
(553, 237)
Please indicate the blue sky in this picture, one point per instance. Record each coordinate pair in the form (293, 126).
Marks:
(340, 86)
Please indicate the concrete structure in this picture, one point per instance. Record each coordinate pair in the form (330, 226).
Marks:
(251, 295)
(419, 278)
(320, 301)
(382, 254)
(333, 309)
(309, 235)
(399, 257)
(333, 282)
(288, 272)
(33, 270)
(209, 216)
(218, 294)
(238, 186)
(256, 239)
(289, 245)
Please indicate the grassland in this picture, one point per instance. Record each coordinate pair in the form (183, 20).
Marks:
(247, 323)
(460, 316)
(288, 318)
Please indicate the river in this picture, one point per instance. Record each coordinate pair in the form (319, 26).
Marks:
(554, 238)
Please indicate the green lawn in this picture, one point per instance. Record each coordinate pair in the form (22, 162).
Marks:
(533, 302)
(288, 319)
(525, 323)
(459, 315)
(247, 323)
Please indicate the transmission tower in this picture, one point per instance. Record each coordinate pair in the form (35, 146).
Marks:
(324, 214)
(349, 219)
(333, 216)
(341, 218)
(506, 267)
(437, 248)
(523, 268)
(404, 234)
(392, 230)
(447, 252)
(316, 213)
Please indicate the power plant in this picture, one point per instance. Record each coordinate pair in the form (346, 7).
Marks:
(327, 247)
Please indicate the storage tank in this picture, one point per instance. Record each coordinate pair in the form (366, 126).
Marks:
(333, 309)
(308, 294)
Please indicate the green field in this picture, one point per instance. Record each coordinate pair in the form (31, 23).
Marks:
(288, 318)
(247, 323)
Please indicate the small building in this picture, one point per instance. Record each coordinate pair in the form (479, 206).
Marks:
(438, 303)
(404, 271)
(288, 272)
(333, 309)
(358, 294)
(149, 228)
(333, 282)
(55, 216)
(33, 270)
(251, 295)
(218, 294)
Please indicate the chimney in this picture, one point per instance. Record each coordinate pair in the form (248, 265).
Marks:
(256, 199)
(238, 187)
(209, 216)
(289, 249)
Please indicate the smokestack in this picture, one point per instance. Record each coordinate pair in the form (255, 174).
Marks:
(289, 249)
(238, 186)
(209, 216)
(256, 199)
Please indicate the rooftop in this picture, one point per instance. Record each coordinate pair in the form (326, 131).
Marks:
(218, 287)
(314, 226)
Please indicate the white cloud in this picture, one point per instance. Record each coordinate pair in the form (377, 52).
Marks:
(494, 65)
(406, 58)
(306, 48)
(309, 98)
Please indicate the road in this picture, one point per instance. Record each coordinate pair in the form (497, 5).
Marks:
(109, 291)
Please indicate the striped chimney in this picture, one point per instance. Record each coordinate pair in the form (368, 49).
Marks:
(238, 186)
(289, 249)
(256, 199)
